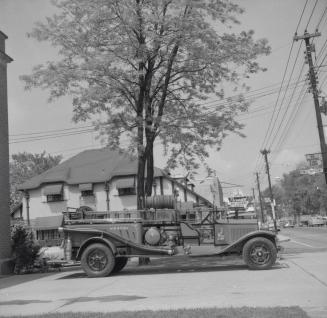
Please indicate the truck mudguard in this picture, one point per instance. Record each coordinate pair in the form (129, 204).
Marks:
(95, 239)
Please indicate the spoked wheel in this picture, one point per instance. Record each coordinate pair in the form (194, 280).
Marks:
(259, 253)
(120, 264)
(97, 260)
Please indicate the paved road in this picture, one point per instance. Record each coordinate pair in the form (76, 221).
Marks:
(305, 239)
(298, 279)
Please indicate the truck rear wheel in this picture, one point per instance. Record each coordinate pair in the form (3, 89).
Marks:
(259, 253)
(97, 260)
(120, 264)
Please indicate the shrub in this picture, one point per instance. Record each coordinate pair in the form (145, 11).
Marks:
(25, 249)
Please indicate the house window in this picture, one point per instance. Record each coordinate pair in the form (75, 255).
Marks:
(86, 189)
(54, 193)
(55, 197)
(126, 191)
(87, 193)
(126, 186)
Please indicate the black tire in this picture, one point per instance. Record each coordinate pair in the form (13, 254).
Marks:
(97, 260)
(120, 264)
(259, 253)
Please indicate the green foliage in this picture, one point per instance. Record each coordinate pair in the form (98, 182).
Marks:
(148, 66)
(24, 248)
(301, 194)
(24, 166)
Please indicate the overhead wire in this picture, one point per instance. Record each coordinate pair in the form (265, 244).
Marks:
(291, 120)
(56, 133)
(313, 9)
(273, 120)
(316, 62)
(280, 107)
(287, 108)
(321, 18)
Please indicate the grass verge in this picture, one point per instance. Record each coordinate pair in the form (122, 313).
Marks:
(243, 312)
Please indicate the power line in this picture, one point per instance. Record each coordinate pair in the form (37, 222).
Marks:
(58, 133)
(322, 16)
(45, 137)
(49, 131)
(285, 112)
(295, 112)
(284, 75)
(305, 5)
(314, 7)
(277, 116)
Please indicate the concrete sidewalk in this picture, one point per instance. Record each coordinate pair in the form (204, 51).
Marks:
(297, 280)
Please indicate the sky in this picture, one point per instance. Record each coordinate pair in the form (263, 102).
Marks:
(288, 139)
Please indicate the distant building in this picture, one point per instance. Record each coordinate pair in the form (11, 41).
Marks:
(98, 179)
(211, 189)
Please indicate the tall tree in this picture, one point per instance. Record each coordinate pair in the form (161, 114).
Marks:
(301, 193)
(148, 66)
(24, 166)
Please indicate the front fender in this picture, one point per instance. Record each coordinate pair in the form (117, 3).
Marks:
(92, 240)
(238, 244)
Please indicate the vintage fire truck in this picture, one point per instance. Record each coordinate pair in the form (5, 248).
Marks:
(103, 241)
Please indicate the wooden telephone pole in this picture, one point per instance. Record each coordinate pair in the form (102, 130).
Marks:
(260, 198)
(313, 80)
(265, 153)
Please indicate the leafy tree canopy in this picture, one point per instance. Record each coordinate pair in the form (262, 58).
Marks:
(24, 166)
(150, 64)
(147, 66)
(301, 193)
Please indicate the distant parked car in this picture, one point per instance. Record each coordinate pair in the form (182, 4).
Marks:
(316, 221)
(288, 223)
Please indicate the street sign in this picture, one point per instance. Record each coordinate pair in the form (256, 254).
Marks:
(311, 171)
(314, 159)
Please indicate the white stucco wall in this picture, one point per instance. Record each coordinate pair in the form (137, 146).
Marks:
(72, 199)
(39, 207)
(117, 202)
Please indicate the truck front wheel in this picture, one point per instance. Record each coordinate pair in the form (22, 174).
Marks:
(97, 260)
(259, 253)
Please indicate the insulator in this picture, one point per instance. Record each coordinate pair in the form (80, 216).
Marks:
(306, 59)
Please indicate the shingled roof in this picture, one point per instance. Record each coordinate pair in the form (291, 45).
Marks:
(90, 166)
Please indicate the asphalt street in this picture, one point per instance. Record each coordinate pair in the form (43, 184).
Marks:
(305, 239)
(299, 278)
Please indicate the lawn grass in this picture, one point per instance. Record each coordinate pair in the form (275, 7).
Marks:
(243, 312)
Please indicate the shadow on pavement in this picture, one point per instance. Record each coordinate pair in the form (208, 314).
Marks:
(68, 301)
(158, 270)
(23, 302)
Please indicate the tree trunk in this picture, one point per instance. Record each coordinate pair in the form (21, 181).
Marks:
(140, 164)
(140, 181)
(149, 170)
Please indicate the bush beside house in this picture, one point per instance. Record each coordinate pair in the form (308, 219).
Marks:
(25, 250)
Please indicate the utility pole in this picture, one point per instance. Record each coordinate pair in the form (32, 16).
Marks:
(313, 80)
(260, 198)
(265, 153)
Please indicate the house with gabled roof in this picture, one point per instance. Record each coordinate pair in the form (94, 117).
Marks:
(97, 179)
